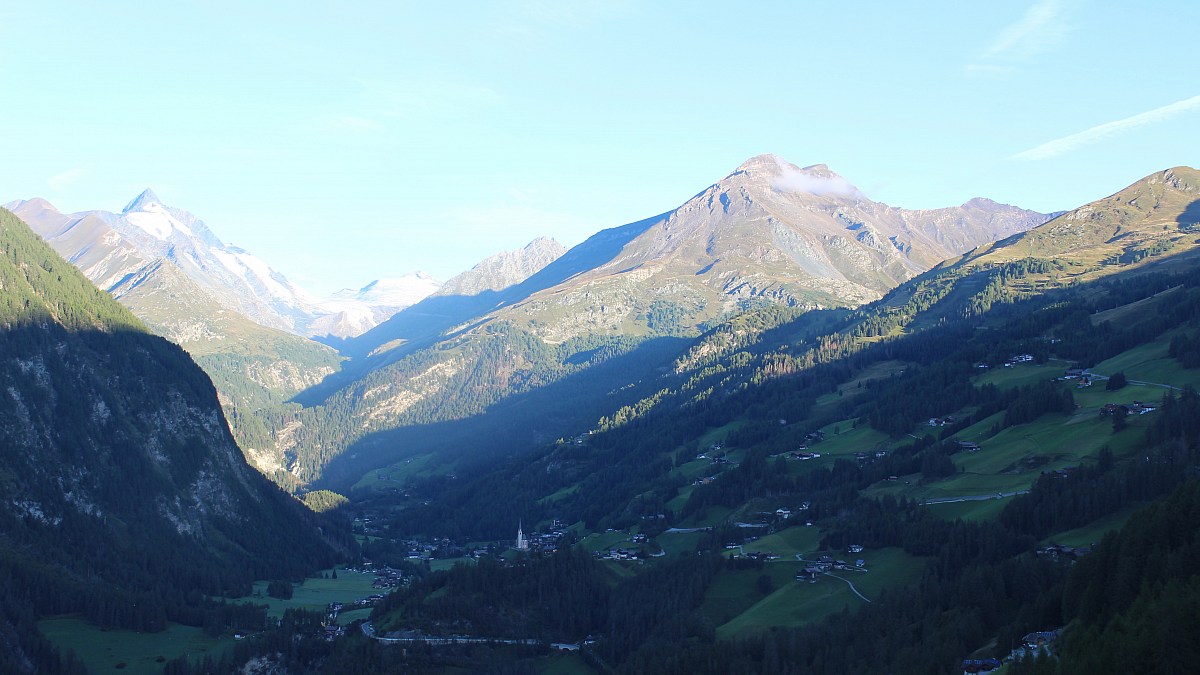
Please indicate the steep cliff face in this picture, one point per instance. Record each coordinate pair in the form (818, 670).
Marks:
(118, 473)
(142, 257)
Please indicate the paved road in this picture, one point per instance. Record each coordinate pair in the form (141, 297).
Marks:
(369, 631)
(1144, 383)
(974, 498)
(851, 585)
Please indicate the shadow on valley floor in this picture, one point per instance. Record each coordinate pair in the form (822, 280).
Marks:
(516, 424)
(428, 321)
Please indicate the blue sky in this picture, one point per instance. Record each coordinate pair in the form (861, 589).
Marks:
(342, 145)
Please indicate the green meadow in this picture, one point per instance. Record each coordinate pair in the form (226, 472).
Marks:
(736, 596)
(129, 652)
(316, 594)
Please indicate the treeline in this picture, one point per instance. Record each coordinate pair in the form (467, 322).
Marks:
(1133, 604)
(1136, 599)
(39, 286)
(529, 390)
(559, 597)
(1057, 503)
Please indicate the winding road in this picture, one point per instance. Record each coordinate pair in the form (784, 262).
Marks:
(851, 585)
(973, 498)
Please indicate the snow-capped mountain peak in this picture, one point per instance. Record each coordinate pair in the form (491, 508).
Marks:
(110, 247)
(392, 292)
(157, 221)
(142, 201)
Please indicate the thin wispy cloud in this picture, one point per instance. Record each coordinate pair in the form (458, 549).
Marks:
(66, 178)
(1041, 27)
(1101, 132)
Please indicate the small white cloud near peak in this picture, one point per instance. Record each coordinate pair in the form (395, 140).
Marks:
(814, 180)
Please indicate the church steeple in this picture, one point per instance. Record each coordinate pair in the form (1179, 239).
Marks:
(522, 544)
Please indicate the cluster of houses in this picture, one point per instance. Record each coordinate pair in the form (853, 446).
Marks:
(785, 513)
(755, 555)
(719, 460)
(980, 666)
(767, 519)
(941, 421)
(1019, 358)
(542, 542)
(333, 609)
(417, 550)
(624, 553)
(1135, 408)
(803, 452)
(826, 563)
(367, 526)
(1062, 552)
(617, 554)
(1034, 643)
(388, 578)
(1085, 380)
(711, 453)
(547, 542)
(868, 456)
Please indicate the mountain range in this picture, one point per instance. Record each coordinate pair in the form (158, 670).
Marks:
(709, 391)
(768, 233)
(123, 249)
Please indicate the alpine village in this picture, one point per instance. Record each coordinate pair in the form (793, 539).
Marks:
(780, 428)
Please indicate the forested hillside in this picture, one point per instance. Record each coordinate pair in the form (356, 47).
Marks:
(126, 499)
(743, 243)
(956, 433)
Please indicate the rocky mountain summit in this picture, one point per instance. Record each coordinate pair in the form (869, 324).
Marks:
(769, 232)
(114, 248)
(505, 269)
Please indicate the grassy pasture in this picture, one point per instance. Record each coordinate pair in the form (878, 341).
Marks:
(1093, 532)
(316, 594)
(792, 603)
(129, 652)
(789, 542)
